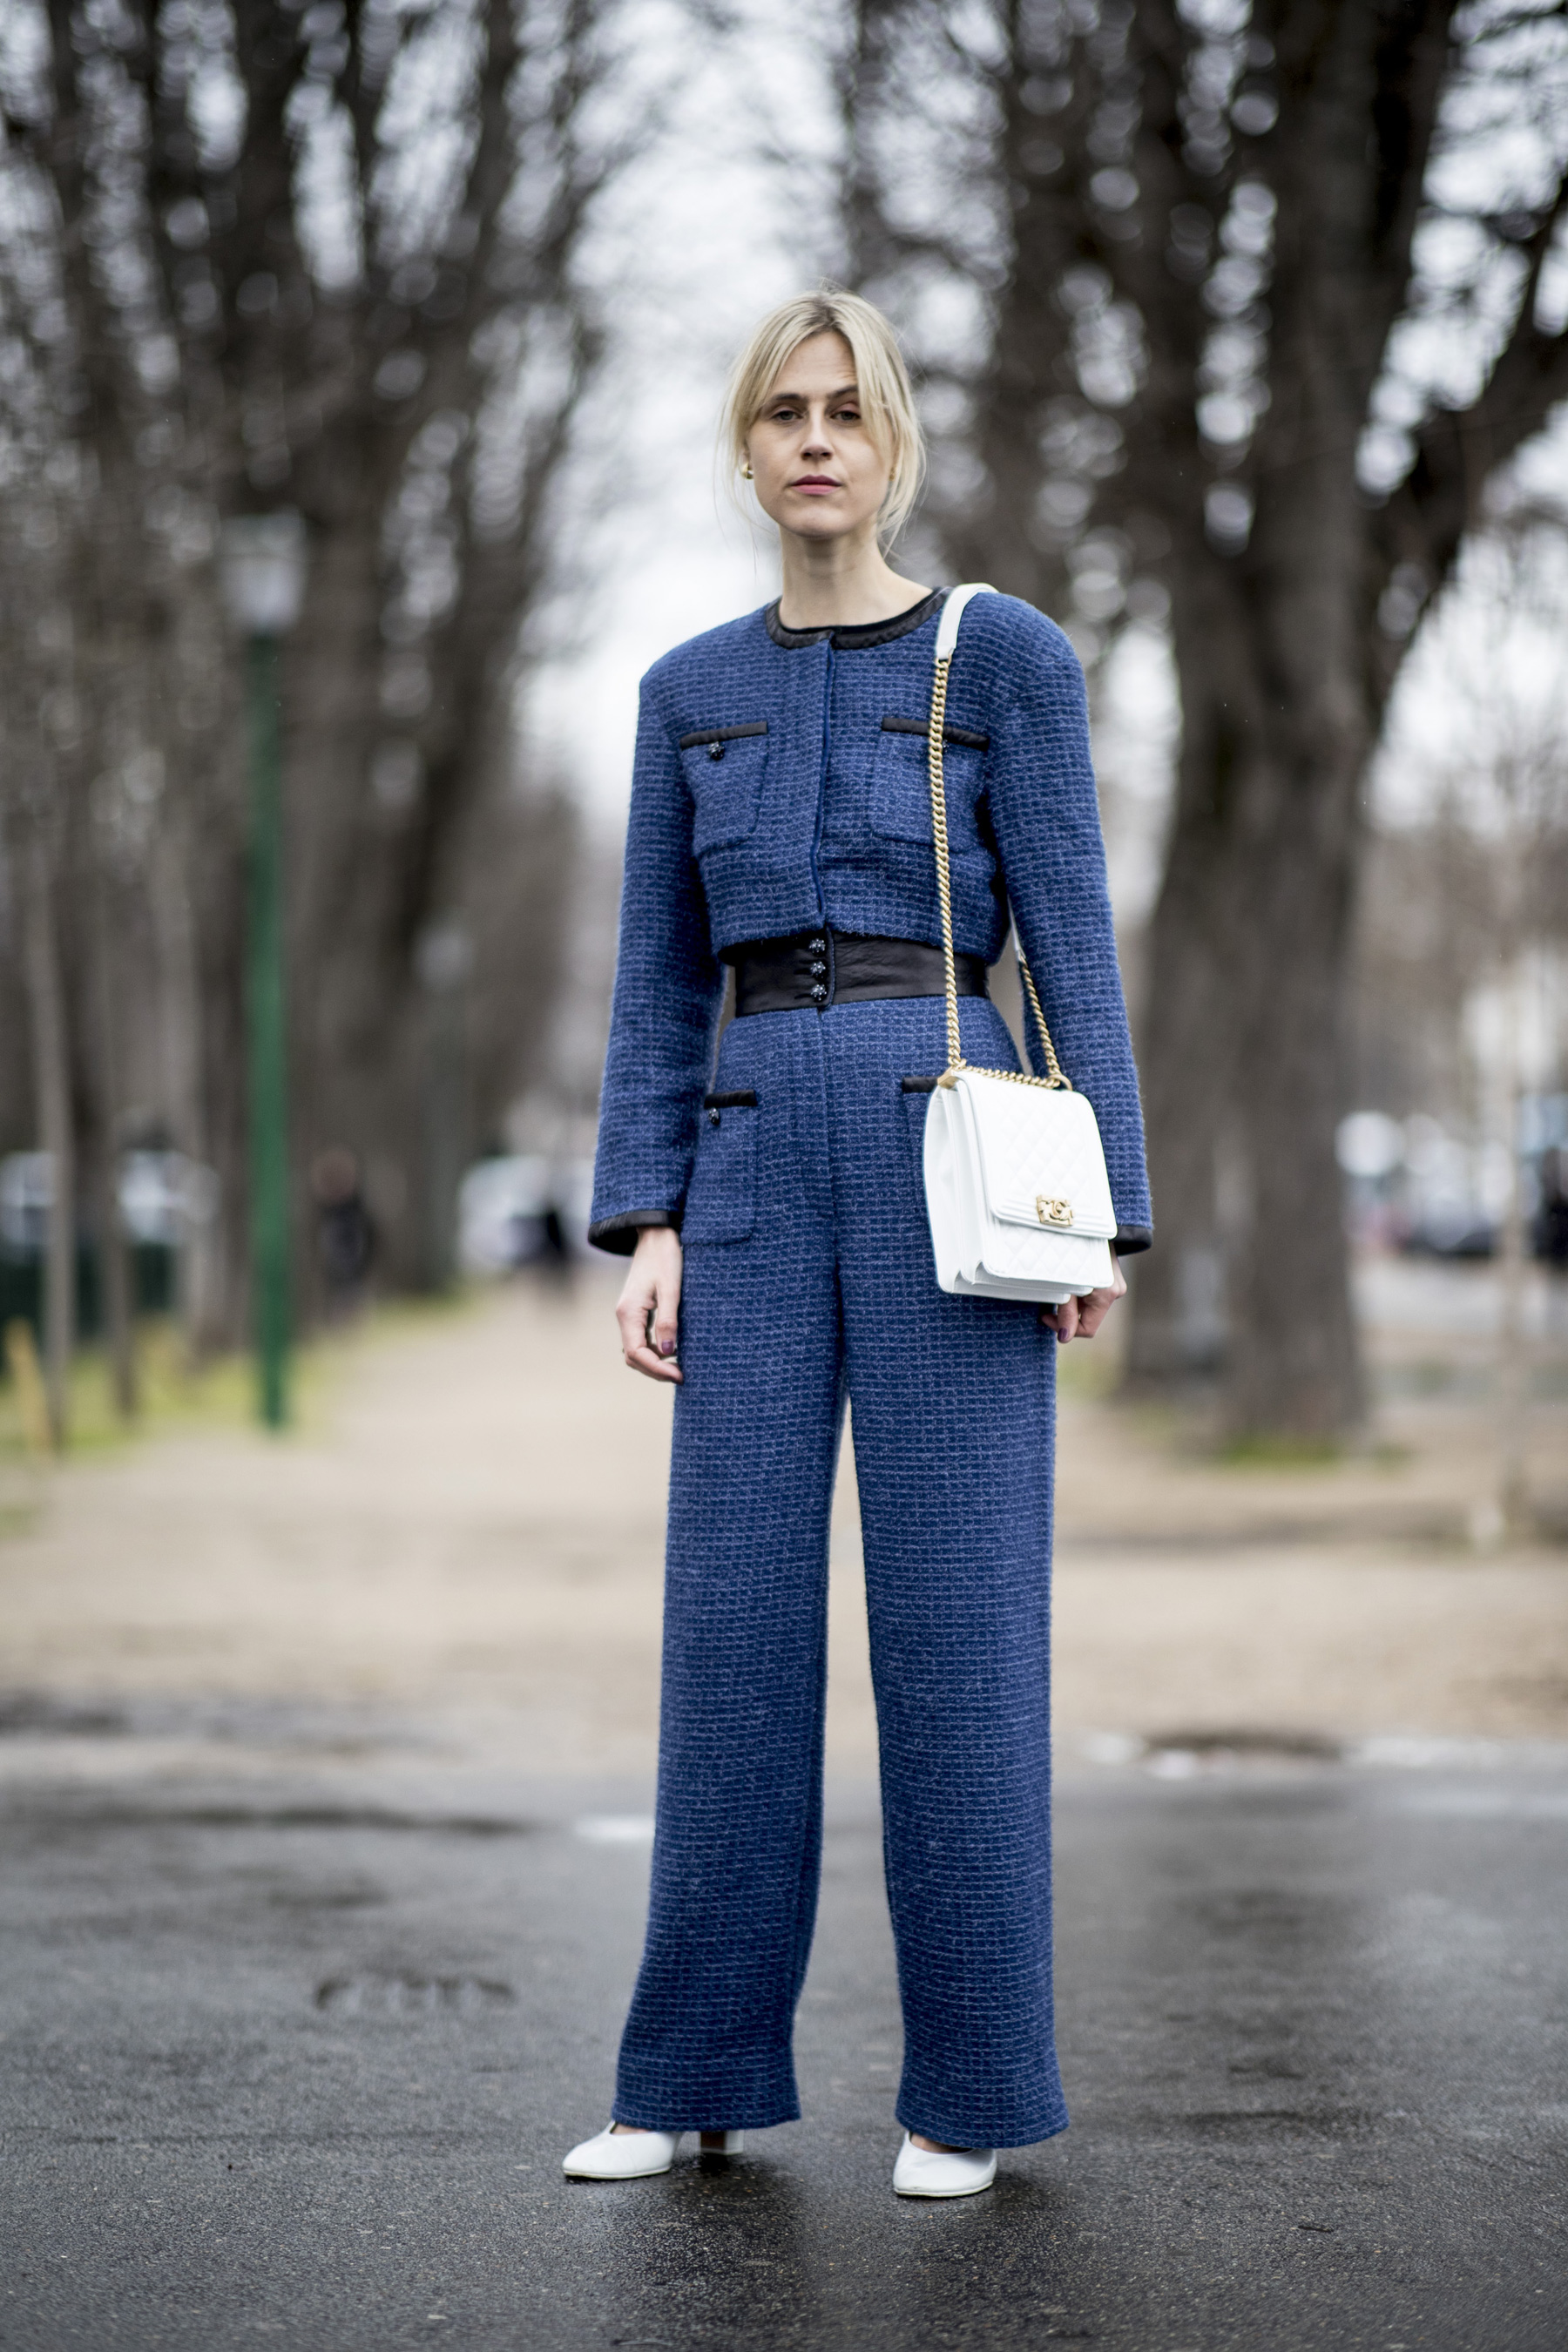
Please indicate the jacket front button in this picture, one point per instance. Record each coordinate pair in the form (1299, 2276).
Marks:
(712, 1119)
(715, 751)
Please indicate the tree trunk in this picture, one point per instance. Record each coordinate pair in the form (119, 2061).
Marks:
(1178, 1288)
(198, 1279)
(1248, 954)
(52, 1088)
(1293, 1366)
(117, 1305)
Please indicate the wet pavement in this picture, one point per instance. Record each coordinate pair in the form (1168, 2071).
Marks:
(294, 2057)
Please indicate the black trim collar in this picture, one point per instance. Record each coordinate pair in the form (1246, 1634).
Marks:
(856, 638)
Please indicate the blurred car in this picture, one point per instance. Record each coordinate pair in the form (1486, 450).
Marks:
(166, 1204)
(162, 1195)
(522, 1209)
(1411, 1185)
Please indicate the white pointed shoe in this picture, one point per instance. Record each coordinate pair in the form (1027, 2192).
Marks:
(929, 2172)
(634, 2155)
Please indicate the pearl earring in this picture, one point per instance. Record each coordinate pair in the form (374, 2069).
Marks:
(746, 471)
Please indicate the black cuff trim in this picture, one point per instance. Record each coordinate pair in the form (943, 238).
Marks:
(1130, 1239)
(619, 1234)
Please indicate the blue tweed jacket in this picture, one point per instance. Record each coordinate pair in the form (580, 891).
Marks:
(818, 810)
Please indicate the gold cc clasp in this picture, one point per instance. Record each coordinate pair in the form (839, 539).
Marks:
(1052, 1212)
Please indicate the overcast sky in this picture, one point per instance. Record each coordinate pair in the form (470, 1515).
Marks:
(702, 238)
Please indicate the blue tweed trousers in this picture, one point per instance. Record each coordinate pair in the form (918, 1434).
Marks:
(808, 1283)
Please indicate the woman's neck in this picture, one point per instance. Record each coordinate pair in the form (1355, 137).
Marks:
(840, 583)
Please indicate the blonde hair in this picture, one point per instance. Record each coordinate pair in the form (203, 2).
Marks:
(886, 401)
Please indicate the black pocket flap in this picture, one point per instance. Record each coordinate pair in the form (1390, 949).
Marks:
(949, 734)
(723, 734)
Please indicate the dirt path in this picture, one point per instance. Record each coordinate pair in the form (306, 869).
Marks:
(472, 1543)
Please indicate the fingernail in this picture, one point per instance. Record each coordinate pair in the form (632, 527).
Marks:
(667, 1346)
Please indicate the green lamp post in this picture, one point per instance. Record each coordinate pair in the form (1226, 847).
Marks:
(264, 584)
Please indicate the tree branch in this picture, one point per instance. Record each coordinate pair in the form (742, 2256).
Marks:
(1426, 518)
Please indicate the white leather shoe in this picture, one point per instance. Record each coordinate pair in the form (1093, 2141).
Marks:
(634, 2155)
(926, 2172)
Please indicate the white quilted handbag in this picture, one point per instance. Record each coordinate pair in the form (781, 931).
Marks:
(1015, 1173)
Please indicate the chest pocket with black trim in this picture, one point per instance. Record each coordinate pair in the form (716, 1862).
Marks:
(900, 782)
(724, 768)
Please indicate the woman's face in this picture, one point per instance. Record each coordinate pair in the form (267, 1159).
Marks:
(817, 471)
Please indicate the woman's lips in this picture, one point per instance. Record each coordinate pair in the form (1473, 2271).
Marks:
(815, 482)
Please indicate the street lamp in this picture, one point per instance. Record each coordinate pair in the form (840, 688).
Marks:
(264, 583)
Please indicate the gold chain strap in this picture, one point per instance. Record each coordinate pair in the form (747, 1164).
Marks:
(956, 1060)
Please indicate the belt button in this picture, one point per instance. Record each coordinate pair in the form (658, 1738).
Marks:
(818, 968)
(819, 993)
(817, 947)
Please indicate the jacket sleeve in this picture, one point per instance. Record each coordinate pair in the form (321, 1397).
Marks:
(669, 989)
(1045, 814)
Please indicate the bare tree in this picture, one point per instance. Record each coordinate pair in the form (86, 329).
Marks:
(1203, 236)
(331, 259)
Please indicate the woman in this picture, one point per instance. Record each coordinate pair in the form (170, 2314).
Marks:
(782, 1266)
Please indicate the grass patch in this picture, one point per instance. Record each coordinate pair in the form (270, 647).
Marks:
(1084, 1370)
(1263, 1452)
(218, 1393)
(170, 1392)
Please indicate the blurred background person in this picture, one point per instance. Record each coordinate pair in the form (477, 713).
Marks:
(345, 1235)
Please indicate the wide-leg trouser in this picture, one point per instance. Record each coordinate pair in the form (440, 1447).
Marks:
(808, 1279)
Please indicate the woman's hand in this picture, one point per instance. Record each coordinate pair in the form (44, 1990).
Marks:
(1081, 1319)
(649, 1305)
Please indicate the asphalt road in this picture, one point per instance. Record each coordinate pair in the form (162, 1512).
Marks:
(283, 2063)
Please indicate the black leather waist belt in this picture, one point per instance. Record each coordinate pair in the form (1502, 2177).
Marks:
(816, 969)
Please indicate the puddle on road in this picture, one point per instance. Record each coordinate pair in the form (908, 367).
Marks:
(615, 1829)
(225, 1720)
(275, 1817)
(413, 1996)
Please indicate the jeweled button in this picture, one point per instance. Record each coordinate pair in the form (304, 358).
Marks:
(819, 968)
(712, 1119)
(820, 994)
(715, 751)
(817, 946)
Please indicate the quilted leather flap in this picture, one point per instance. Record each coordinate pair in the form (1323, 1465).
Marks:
(1041, 1157)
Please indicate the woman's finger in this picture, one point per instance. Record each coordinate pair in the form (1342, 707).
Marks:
(1097, 1306)
(1080, 1316)
(631, 1315)
(654, 1368)
(647, 1311)
(665, 1319)
(1093, 1310)
(1062, 1319)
